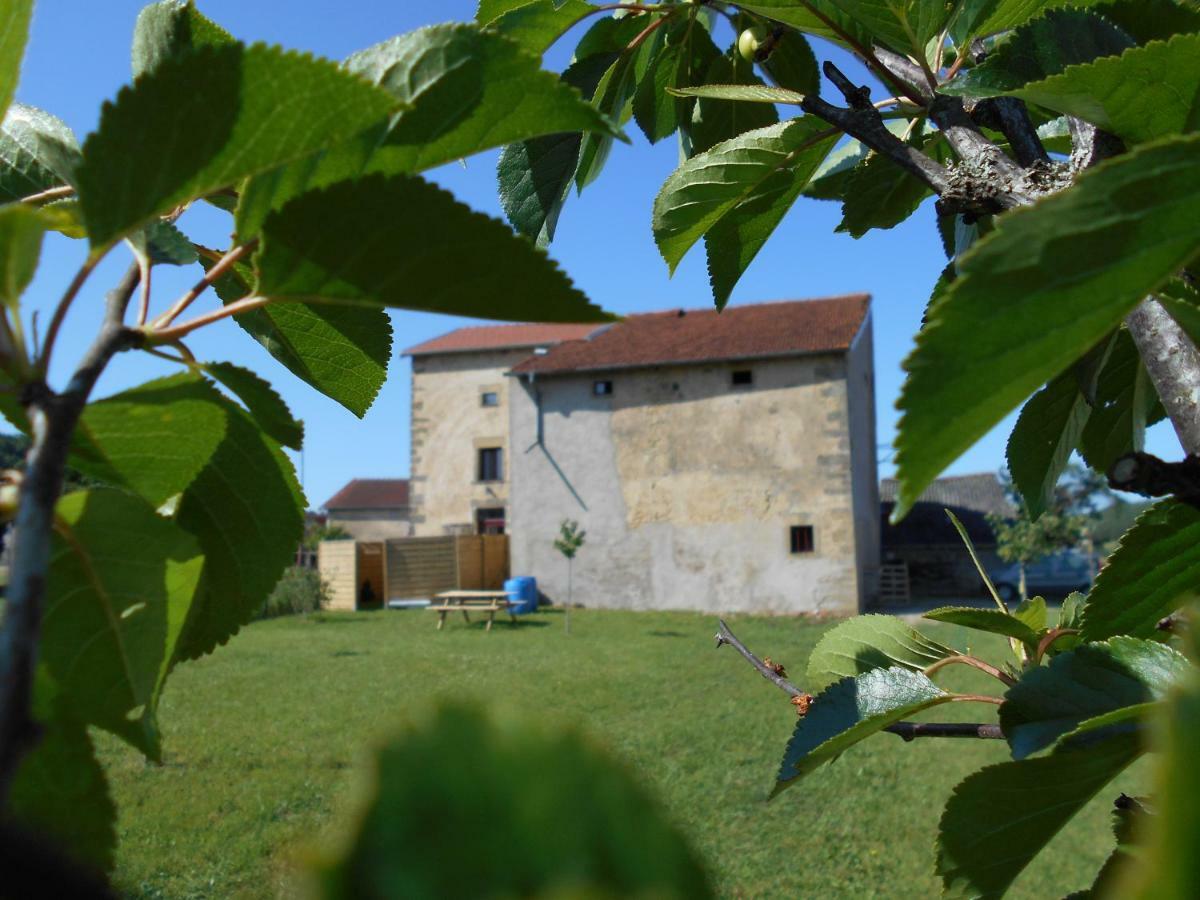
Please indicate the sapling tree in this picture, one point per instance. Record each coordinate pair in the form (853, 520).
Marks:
(1059, 144)
(570, 539)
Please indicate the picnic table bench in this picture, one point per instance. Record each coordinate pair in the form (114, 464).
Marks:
(490, 602)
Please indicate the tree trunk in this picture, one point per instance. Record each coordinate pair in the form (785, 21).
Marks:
(1021, 581)
(567, 611)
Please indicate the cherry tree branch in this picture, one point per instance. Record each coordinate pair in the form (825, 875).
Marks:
(223, 265)
(906, 730)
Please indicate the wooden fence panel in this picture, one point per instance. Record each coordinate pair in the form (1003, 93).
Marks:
(420, 567)
(337, 561)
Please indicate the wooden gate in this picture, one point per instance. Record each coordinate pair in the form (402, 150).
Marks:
(482, 561)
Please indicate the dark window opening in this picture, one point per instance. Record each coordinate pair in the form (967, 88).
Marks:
(489, 398)
(491, 464)
(489, 521)
(802, 539)
(742, 378)
(602, 388)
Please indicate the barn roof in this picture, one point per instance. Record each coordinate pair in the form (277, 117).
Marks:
(371, 493)
(970, 497)
(501, 337)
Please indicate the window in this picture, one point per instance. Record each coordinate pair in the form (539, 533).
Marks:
(742, 378)
(491, 464)
(602, 388)
(489, 398)
(802, 539)
(490, 520)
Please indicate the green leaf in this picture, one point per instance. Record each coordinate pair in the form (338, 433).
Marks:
(464, 90)
(879, 195)
(120, 584)
(1145, 93)
(958, 526)
(1011, 13)
(869, 642)
(534, 24)
(905, 25)
(991, 620)
(246, 510)
(169, 29)
(346, 244)
(37, 152)
(263, 403)
(153, 439)
(791, 64)
(832, 177)
(747, 93)
(21, 231)
(207, 120)
(60, 791)
(1046, 434)
(612, 94)
(1153, 572)
(654, 110)
(538, 812)
(161, 243)
(721, 118)
(751, 180)
(814, 17)
(1090, 681)
(342, 351)
(14, 32)
(1000, 818)
(1152, 20)
(1043, 47)
(1032, 611)
(1125, 404)
(850, 710)
(1035, 294)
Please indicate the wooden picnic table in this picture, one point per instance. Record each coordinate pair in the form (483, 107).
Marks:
(490, 602)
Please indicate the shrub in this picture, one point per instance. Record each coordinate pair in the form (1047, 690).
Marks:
(301, 590)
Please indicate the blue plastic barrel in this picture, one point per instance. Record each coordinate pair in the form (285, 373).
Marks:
(522, 590)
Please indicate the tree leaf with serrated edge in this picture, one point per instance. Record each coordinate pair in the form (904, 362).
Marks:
(833, 176)
(1007, 14)
(792, 65)
(613, 92)
(869, 642)
(1046, 434)
(169, 29)
(37, 152)
(1090, 681)
(534, 25)
(1040, 48)
(464, 90)
(850, 710)
(121, 581)
(772, 163)
(1151, 20)
(1000, 817)
(59, 790)
(263, 403)
(161, 243)
(1041, 289)
(247, 512)
(345, 244)
(734, 239)
(905, 25)
(153, 439)
(1032, 611)
(747, 93)
(1145, 93)
(1125, 404)
(14, 32)
(342, 351)
(654, 109)
(717, 119)
(990, 620)
(879, 195)
(207, 120)
(962, 532)
(21, 231)
(1153, 572)
(823, 18)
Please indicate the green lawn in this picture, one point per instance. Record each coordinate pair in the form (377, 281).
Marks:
(262, 739)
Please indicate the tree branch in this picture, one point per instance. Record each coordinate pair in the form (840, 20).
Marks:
(1010, 116)
(906, 730)
(52, 418)
(1173, 363)
(1142, 473)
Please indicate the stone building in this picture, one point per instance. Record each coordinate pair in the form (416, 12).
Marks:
(717, 461)
(371, 509)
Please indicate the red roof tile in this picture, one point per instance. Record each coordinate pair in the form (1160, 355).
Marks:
(371, 493)
(501, 337)
(786, 328)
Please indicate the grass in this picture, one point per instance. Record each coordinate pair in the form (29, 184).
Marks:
(262, 739)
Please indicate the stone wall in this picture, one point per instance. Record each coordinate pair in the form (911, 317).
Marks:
(688, 486)
(860, 381)
(372, 524)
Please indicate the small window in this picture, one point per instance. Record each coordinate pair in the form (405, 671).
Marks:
(491, 464)
(742, 378)
(489, 398)
(489, 521)
(802, 539)
(602, 388)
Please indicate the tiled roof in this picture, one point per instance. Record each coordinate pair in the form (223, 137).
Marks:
(784, 328)
(371, 493)
(501, 337)
(981, 493)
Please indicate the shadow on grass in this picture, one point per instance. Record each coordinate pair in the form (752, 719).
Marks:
(667, 634)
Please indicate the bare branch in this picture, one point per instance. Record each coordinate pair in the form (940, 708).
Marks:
(905, 730)
(52, 418)
(1142, 473)
(175, 332)
(1010, 116)
(975, 663)
(222, 266)
(1173, 364)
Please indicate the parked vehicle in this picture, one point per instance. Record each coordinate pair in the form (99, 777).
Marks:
(1057, 574)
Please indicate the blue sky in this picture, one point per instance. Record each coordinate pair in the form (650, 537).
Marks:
(79, 56)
